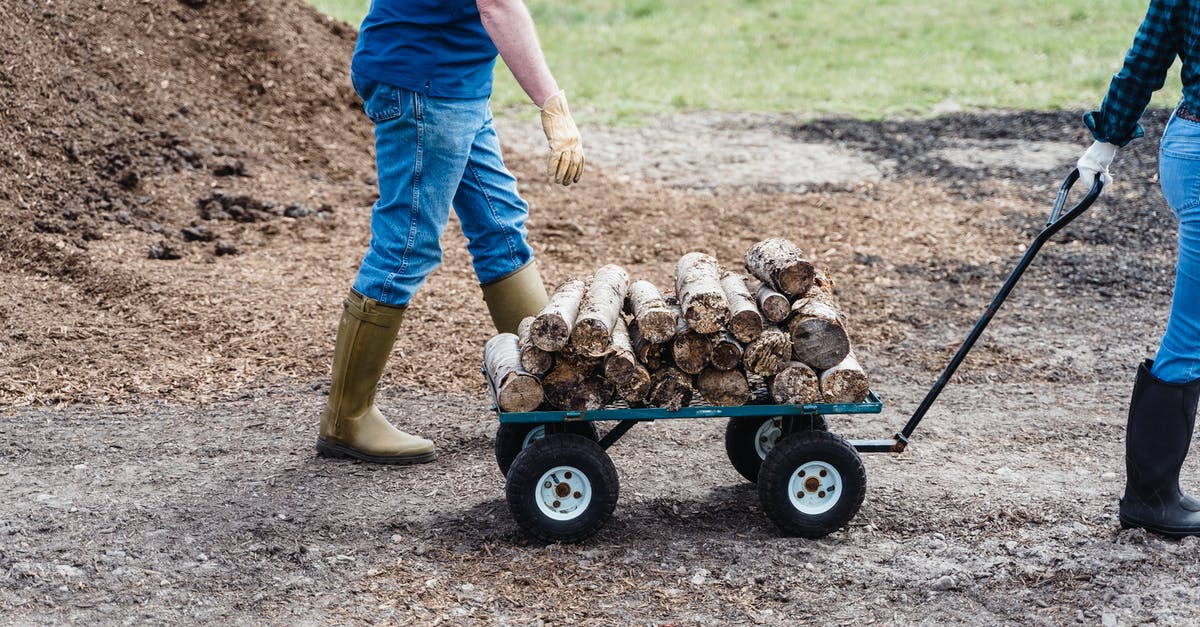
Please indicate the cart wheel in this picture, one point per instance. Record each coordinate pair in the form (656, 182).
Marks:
(812, 484)
(749, 439)
(513, 437)
(562, 488)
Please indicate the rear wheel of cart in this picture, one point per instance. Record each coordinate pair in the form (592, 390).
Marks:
(513, 437)
(812, 483)
(748, 439)
(562, 488)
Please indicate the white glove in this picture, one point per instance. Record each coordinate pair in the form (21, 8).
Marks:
(1095, 162)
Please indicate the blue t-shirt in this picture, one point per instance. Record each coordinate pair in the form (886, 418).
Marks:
(438, 47)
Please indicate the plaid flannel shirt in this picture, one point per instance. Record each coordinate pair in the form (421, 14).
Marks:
(1171, 28)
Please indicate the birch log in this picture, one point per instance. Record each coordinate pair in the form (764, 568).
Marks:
(599, 311)
(690, 349)
(774, 305)
(723, 387)
(654, 318)
(622, 369)
(745, 321)
(650, 354)
(577, 382)
(780, 264)
(698, 284)
(796, 385)
(769, 354)
(516, 390)
(552, 328)
(669, 388)
(726, 351)
(845, 383)
(533, 359)
(818, 331)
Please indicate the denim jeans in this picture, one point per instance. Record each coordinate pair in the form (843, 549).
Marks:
(1178, 359)
(432, 154)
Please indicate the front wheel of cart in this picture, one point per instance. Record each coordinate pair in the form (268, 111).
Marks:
(562, 488)
(513, 437)
(812, 483)
(748, 439)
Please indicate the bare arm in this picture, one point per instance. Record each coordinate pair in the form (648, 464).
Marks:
(511, 28)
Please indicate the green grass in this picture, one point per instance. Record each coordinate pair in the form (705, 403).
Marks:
(625, 59)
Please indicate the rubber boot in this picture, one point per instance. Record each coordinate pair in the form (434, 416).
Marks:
(351, 426)
(1161, 418)
(511, 299)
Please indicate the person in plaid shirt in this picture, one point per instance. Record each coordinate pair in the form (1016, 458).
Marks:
(1162, 412)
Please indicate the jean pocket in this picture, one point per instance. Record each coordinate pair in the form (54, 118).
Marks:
(381, 102)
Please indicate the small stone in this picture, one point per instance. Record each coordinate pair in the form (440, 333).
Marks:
(198, 233)
(225, 248)
(943, 584)
(163, 250)
(1108, 619)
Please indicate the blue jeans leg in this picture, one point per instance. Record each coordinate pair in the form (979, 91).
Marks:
(491, 211)
(1178, 359)
(422, 145)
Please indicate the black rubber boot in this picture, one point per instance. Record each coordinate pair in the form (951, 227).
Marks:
(1161, 418)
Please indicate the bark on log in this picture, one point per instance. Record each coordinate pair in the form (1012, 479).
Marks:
(552, 328)
(654, 318)
(846, 382)
(516, 390)
(745, 321)
(726, 351)
(669, 388)
(690, 349)
(620, 363)
(769, 354)
(780, 264)
(577, 382)
(774, 305)
(599, 311)
(818, 331)
(698, 284)
(533, 359)
(723, 387)
(650, 354)
(796, 385)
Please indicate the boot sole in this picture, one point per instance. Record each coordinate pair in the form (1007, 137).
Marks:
(333, 450)
(1171, 532)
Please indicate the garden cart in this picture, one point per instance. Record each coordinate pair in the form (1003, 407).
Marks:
(562, 486)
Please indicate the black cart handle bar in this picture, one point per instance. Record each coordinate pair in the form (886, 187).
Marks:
(1058, 219)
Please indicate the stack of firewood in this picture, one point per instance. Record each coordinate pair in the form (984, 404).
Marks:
(608, 339)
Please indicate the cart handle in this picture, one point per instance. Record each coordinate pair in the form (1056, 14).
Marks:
(1058, 219)
(1056, 214)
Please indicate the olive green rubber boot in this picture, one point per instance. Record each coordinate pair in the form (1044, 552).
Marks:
(351, 425)
(514, 297)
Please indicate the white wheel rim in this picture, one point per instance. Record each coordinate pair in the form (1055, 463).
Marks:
(815, 487)
(767, 436)
(563, 493)
(535, 433)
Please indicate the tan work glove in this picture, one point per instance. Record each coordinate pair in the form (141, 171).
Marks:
(566, 146)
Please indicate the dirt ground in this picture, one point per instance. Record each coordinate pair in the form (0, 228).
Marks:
(176, 251)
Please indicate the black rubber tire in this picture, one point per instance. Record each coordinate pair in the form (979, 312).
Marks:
(510, 438)
(786, 458)
(740, 435)
(540, 457)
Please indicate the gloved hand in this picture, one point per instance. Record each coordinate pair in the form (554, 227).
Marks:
(566, 145)
(1095, 162)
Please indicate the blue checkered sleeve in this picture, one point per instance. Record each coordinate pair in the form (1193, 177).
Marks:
(1144, 72)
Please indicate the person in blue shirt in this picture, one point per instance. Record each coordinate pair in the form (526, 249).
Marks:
(1162, 412)
(423, 69)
